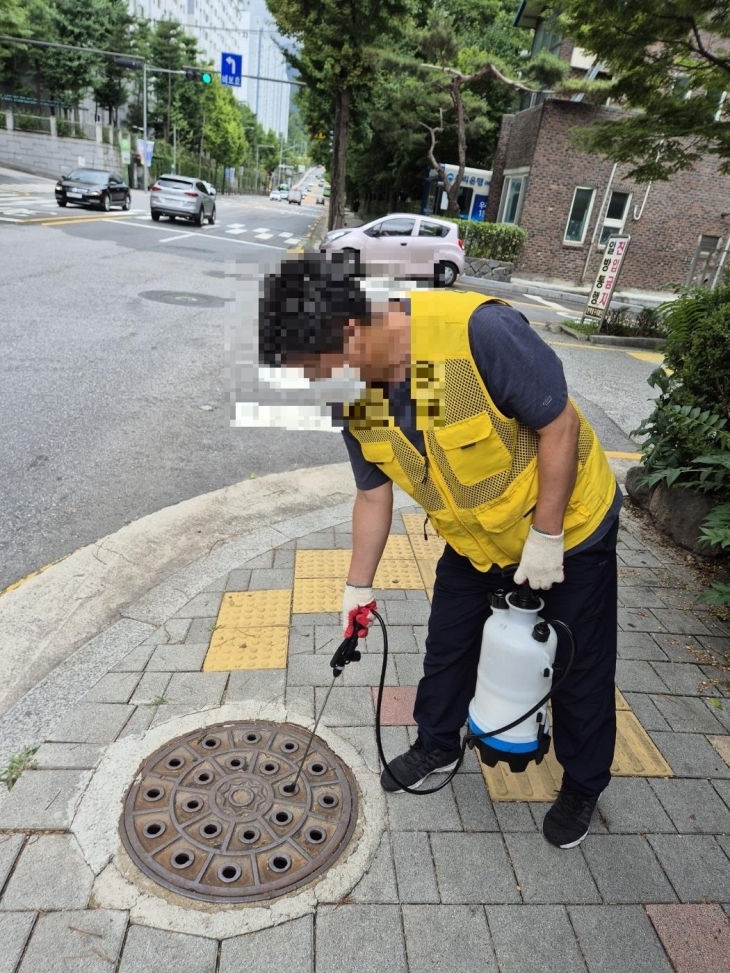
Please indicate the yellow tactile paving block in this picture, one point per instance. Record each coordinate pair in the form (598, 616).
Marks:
(428, 572)
(430, 549)
(621, 700)
(398, 547)
(635, 756)
(317, 595)
(254, 609)
(253, 648)
(401, 573)
(322, 564)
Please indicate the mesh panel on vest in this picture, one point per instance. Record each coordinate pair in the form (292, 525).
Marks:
(410, 461)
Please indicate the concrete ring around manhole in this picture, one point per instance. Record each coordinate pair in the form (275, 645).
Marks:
(269, 856)
(184, 298)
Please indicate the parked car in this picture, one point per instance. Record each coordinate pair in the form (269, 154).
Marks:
(182, 196)
(275, 194)
(295, 196)
(410, 246)
(284, 193)
(93, 187)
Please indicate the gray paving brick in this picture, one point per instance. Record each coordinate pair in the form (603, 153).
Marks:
(201, 606)
(534, 937)
(314, 670)
(473, 868)
(139, 722)
(90, 940)
(172, 631)
(91, 723)
(546, 874)
(646, 712)
(638, 677)
(201, 630)
(693, 806)
(178, 658)
(640, 596)
(416, 594)
(407, 612)
(262, 684)
(625, 869)
(151, 687)
(362, 938)
(472, 799)
(362, 739)
(198, 688)
(720, 710)
(301, 639)
(690, 755)
(265, 579)
(448, 937)
(719, 683)
(681, 622)
(316, 618)
(10, 845)
(265, 560)
(409, 668)
(678, 648)
(540, 808)
(716, 645)
(327, 637)
(630, 576)
(618, 939)
(414, 867)
(218, 585)
(157, 951)
(238, 579)
(723, 789)
(640, 646)
(319, 540)
(114, 687)
(378, 884)
(15, 928)
(514, 816)
(630, 806)
(300, 699)
(283, 558)
(431, 812)
(168, 712)
(638, 620)
(68, 756)
(687, 714)
(43, 800)
(696, 866)
(136, 660)
(347, 706)
(682, 679)
(382, 595)
(639, 559)
(51, 873)
(400, 639)
(289, 947)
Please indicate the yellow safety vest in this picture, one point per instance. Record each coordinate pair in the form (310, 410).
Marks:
(478, 481)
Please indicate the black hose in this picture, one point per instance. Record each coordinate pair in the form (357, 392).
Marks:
(468, 737)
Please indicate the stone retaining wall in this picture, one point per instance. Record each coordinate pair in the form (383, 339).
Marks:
(487, 269)
(44, 155)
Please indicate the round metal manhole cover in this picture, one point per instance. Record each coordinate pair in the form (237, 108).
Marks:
(211, 814)
(184, 298)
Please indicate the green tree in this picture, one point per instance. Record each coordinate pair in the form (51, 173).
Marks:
(111, 82)
(334, 38)
(69, 74)
(223, 135)
(12, 17)
(671, 66)
(171, 48)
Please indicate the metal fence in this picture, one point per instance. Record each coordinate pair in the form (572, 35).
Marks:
(31, 123)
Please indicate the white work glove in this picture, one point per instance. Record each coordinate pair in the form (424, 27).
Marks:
(541, 565)
(354, 598)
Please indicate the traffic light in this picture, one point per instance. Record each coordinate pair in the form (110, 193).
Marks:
(133, 63)
(197, 74)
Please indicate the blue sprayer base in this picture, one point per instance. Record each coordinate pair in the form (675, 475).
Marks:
(493, 750)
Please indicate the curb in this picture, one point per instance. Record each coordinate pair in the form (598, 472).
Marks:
(570, 297)
(617, 341)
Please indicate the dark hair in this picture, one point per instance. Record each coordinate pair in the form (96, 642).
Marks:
(305, 307)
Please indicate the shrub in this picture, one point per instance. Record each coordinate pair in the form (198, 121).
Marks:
(64, 128)
(491, 241)
(648, 323)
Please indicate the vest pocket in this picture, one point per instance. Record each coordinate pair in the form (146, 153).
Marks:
(473, 450)
(378, 453)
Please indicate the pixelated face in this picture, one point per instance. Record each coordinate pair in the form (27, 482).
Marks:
(319, 366)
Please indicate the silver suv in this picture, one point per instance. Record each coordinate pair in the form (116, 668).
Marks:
(182, 196)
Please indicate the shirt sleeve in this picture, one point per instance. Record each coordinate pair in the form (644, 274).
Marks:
(522, 373)
(367, 475)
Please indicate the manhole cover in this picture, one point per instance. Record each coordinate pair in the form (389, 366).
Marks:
(210, 815)
(185, 298)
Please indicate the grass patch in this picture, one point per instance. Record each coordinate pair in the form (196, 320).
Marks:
(18, 762)
(584, 327)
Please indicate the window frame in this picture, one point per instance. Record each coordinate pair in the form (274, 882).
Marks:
(586, 224)
(616, 226)
(522, 173)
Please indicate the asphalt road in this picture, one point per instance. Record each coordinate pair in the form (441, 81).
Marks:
(115, 385)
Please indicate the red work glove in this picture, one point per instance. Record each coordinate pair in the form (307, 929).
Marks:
(357, 604)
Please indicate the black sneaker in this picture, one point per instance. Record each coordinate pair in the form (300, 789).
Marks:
(414, 766)
(567, 822)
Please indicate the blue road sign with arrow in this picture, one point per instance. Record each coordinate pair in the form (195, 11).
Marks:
(231, 69)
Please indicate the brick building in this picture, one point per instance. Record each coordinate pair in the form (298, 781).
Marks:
(569, 201)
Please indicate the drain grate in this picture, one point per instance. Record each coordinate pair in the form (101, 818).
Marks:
(211, 814)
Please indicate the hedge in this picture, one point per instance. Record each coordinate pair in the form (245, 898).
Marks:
(491, 241)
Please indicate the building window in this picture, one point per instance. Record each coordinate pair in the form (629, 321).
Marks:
(580, 214)
(547, 38)
(615, 217)
(513, 196)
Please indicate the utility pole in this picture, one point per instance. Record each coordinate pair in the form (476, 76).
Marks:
(256, 109)
(145, 176)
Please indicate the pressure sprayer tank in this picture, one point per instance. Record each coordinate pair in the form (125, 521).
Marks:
(515, 672)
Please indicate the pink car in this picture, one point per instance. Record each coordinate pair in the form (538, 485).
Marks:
(404, 245)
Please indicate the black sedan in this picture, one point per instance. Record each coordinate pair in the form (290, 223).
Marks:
(93, 187)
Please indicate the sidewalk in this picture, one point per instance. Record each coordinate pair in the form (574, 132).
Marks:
(240, 625)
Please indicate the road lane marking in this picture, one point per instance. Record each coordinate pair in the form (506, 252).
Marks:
(541, 300)
(79, 219)
(208, 236)
(654, 356)
(178, 236)
(617, 455)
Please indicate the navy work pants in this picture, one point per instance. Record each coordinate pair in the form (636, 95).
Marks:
(584, 715)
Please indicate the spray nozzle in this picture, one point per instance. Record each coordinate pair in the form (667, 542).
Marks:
(525, 598)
